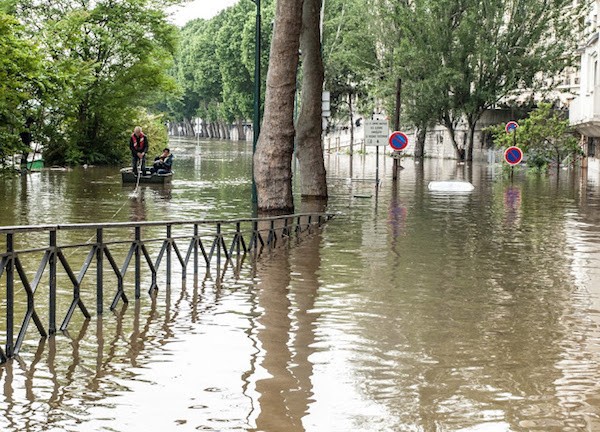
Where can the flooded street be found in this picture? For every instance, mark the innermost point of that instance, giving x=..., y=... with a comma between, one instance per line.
x=409, y=311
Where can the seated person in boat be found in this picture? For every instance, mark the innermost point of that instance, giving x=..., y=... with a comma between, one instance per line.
x=163, y=163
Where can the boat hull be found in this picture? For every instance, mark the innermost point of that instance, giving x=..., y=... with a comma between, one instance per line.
x=127, y=176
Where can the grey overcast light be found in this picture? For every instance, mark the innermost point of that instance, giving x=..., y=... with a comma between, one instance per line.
x=206, y=9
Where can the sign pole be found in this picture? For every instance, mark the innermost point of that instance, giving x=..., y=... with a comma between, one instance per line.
x=396, y=161
x=377, y=168
x=376, y=134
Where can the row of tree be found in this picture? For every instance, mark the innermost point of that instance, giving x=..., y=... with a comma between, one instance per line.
x=80, y=74
x=457, y=59
x=454, y=59
x=84, y=72
x=215, y=69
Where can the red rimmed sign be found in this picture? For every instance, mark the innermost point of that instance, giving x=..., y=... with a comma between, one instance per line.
x=398, y=141
x=513, y=155
x=511, y=126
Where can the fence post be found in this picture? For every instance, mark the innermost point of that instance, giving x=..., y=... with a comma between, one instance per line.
x=169, y=246
x=218, y=240
x=52, y=283
x=138, y=238
x=99, y=271
x=195, y=251
x=10, y=293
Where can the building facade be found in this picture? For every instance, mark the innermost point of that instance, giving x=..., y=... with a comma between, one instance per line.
x=584, y=110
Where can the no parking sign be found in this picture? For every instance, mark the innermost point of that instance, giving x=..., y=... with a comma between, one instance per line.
x=513, y=155
x=398, y=141
x=511, y=126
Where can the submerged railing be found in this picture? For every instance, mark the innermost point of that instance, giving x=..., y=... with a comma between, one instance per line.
x=248, y=236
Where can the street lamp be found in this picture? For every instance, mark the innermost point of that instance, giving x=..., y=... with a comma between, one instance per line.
x=256, y=120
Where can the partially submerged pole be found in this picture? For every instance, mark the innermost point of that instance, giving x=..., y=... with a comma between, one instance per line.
x=396, y=162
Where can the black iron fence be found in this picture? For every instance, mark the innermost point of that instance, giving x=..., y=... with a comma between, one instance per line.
x=209, y=245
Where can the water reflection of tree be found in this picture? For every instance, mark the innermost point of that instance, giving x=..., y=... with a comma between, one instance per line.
x=285, y=336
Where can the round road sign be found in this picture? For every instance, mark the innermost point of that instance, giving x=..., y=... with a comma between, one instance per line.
x=511, y=126
x=398, y=141
x=513, y=155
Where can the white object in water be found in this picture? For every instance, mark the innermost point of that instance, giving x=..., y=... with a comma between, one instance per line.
x=450, y=186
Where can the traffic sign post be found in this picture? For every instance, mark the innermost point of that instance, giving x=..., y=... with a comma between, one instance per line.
x=376, y=132
x=513, y=155
x=398, y=141
x=511, y=128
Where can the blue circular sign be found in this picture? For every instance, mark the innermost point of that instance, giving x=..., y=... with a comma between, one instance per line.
x=511, y=126
x=398, y=141
x=513, y=155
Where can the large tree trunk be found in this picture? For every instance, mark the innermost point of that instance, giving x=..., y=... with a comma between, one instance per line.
x=470, y=140
x=451, y=127
x=240, y=130
x=309, y=129
x=189, y=127
x=273, y=158
x=205, y=133
x=351, y=114
x=224, y=128
x=421, y=134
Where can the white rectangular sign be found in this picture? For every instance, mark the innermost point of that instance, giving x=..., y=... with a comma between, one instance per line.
x=376, y=133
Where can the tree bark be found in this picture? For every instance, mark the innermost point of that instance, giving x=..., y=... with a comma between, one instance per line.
x=351, y=114
x=309, y=129
x=273, y=157
x=450, y=126
x=240, y=130
x=421, y=134
x=470, y=140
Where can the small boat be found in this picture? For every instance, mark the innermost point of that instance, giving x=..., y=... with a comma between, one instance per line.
x=128, y=176
x=450, y=186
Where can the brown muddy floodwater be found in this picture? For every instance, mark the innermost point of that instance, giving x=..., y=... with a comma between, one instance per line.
x=409, y=311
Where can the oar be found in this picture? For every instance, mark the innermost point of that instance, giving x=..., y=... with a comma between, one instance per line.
x=137, y=184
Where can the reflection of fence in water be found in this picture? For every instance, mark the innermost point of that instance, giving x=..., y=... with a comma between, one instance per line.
x=207, y=246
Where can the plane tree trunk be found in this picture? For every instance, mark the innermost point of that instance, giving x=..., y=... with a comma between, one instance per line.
x=274, y=149
x=309, y=128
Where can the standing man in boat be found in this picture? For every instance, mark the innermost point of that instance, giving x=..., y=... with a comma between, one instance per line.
x=138, y=144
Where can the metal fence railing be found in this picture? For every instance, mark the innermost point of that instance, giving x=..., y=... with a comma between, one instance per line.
x=208, y=245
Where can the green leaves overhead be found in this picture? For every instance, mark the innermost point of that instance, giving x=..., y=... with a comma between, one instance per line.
x=20, y=76
x=104, y=62
x=474, y=53
x=350, y=45
x=215, y=65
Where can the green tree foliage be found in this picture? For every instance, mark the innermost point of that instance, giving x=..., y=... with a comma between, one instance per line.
x=237, y=81
x=467, y=56
x=545, y=137
x=197, y=71
x=215, y=65
x=109, y=59
x=350, y=56
x=20, y=76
